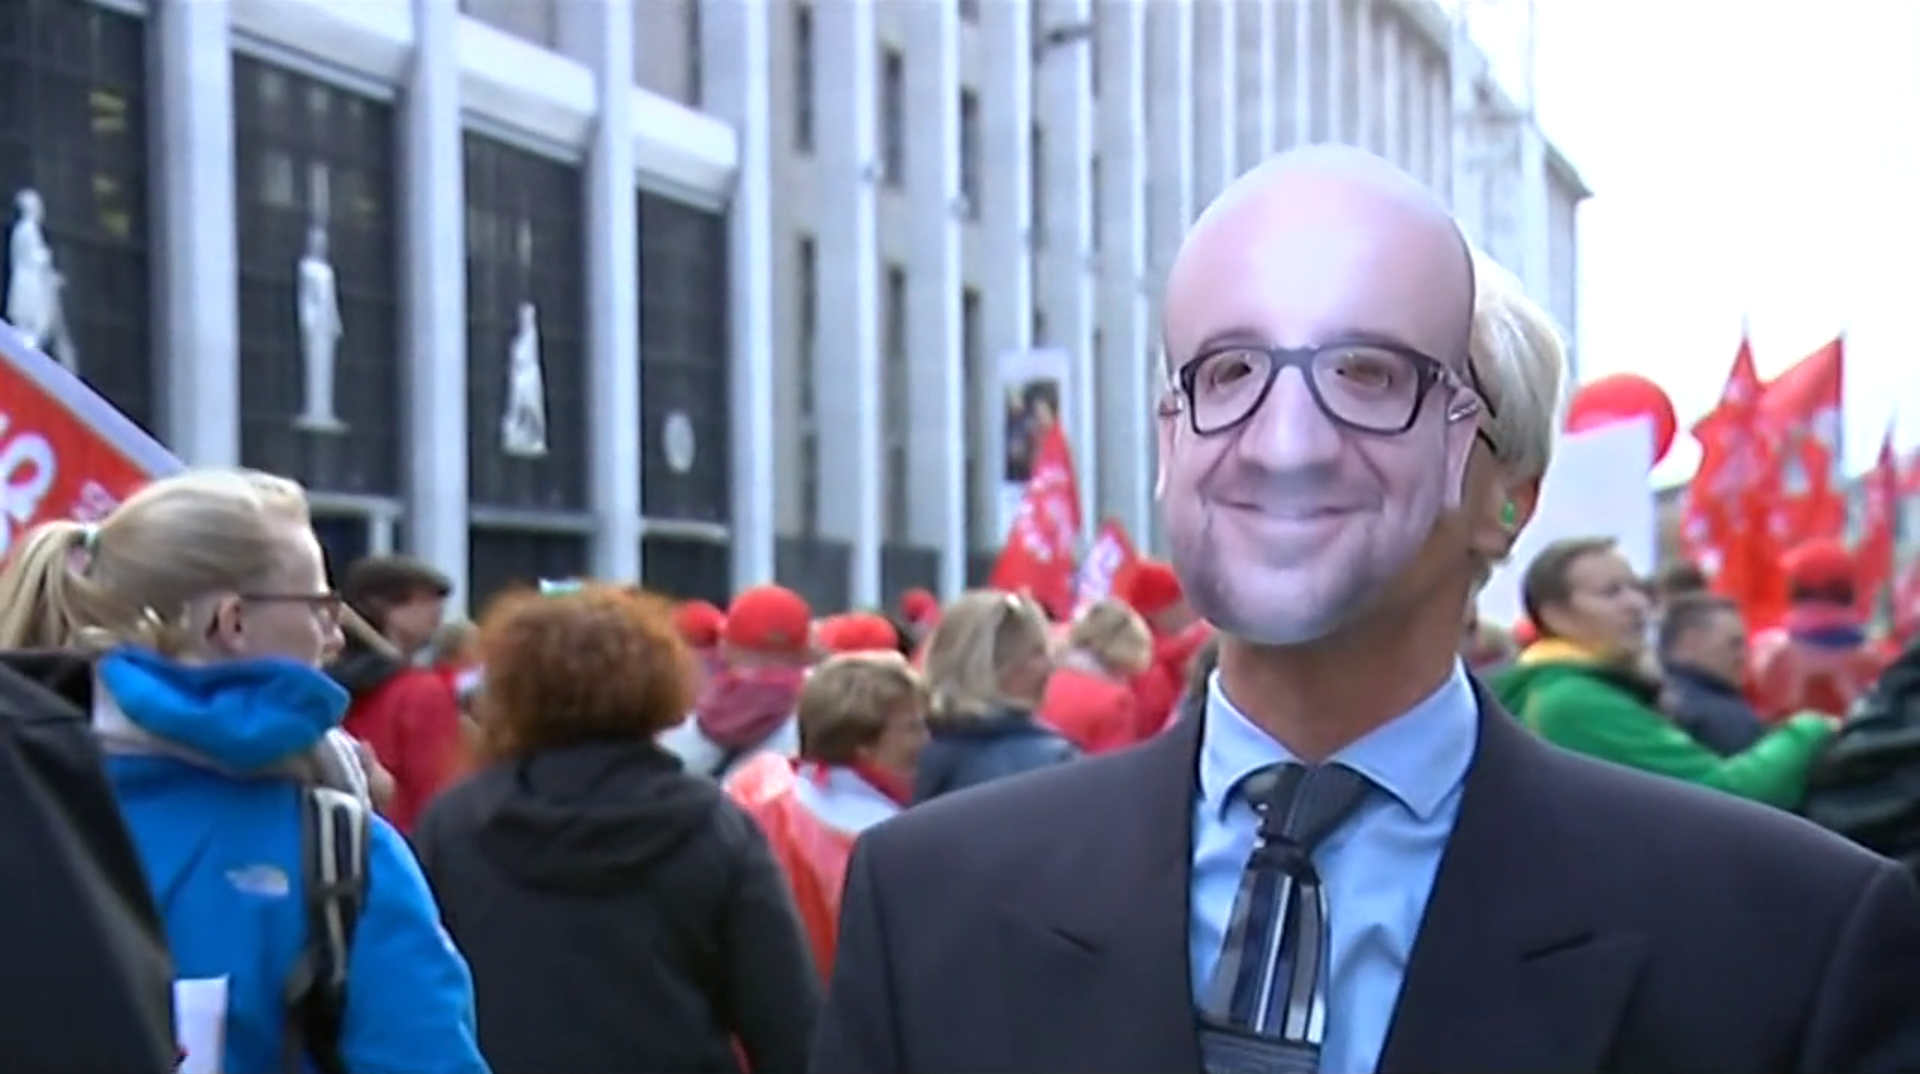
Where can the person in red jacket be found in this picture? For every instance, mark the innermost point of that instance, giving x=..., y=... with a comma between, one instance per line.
x=1089, y=697
x=405, y=713
x=1154, y=592
x=1818, y=660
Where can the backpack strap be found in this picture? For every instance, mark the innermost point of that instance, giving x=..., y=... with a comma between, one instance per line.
x=334, y=832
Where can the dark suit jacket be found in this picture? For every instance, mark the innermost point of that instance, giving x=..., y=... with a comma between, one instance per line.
x=1585, y=918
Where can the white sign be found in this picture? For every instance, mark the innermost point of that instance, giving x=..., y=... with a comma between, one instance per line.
x=1597, y=486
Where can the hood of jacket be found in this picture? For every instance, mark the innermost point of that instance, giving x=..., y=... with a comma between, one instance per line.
x=1515, y=686
x=244, y=716
x=741, y=707
x=363, y=670
x=592, y=818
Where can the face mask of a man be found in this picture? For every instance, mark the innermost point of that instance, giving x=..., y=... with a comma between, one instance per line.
x=1320, y=414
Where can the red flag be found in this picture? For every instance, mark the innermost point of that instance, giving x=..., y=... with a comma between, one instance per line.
x=1803, y=406
x=64, y=451
x=1729, y=525
x=1108, y=560
x=1873, y=559
x=1039, y=554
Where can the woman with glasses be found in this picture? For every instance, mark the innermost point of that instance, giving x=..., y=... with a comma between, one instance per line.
x=987, y=668
x=193, y=622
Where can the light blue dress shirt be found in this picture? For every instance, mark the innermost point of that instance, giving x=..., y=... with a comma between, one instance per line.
x=1378, y=866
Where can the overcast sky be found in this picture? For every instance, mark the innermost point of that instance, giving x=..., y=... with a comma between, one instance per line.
x=1757, y=160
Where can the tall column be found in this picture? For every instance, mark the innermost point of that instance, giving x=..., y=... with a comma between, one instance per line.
x=1215, y=98
x=1304, y=64
x=1366, y=77
x=847, y=165
x=1467, y=194
x=434, y=256
x=1268, y=25
x=1437, y=93
x=734, y=84
x=938, y=511
x=1169, y=55
x=1123, y=389
x=1066, y=269
x=197, y=285
x=1006, y=214
x=1335, y=45
x=1170, y=207
x=1393, y=92
x=601, y=36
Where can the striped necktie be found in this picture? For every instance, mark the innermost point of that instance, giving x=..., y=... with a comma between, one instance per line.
x=1264, y=1011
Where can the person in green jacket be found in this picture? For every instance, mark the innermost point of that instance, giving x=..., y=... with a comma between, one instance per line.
x=1590, y=683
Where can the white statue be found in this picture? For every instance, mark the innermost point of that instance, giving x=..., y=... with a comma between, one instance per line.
x=523, y=428
x=318, y=299
x=34, y=283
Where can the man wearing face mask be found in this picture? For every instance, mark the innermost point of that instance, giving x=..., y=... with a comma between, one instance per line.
x=1261, y=887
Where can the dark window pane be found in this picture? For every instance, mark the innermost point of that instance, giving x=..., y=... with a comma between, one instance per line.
x=73, y=137
x=343, y=539
x=503, y=559
x=526, y=330
x=320, y=357
x=686, y=425
x=817, y=568
x=687, y=568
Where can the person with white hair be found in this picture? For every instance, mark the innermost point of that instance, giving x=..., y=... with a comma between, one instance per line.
x=1352, y=859
x=194, y=620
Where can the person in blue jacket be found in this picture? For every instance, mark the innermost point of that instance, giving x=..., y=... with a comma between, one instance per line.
x=201, y=612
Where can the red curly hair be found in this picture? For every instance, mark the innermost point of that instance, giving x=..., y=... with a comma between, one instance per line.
x=601, y=662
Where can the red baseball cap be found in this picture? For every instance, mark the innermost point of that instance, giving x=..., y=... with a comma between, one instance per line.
x=769, y=619
x=699, y=622
x=858, y=632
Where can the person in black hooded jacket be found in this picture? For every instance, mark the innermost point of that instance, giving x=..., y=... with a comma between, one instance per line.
x=92, y=983
x=621, y=916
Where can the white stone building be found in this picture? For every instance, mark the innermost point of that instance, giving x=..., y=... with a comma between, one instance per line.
x=772, y=248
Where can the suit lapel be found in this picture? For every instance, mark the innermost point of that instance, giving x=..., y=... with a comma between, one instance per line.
x=1100, y=954
x=1511, y=971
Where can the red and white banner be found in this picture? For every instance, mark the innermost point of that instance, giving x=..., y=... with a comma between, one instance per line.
x=65, y=452
x=1108, y=560
x=1038, y=557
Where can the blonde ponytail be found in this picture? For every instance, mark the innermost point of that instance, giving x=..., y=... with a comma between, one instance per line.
x=36, y=591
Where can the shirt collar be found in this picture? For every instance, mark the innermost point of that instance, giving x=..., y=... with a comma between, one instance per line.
x=1418, y=757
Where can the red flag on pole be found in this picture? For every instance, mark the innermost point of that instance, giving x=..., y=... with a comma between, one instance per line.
x=64, y=451
x=1038, y=557
x=1873, y=559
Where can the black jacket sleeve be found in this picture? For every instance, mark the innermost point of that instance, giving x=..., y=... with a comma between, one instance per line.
x=858, y=1030
x=1866, y=1015
x=772, y=986
x=93, y=987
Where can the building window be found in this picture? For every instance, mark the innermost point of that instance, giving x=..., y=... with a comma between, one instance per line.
x=893, y=117
x=897, y=403
x=319, y=320
x=1037, y=185
x=969, y=10
x=686, y=362
x=1039, y=327
x=809, y=302
x=73, y=151
x=501, y=559
x=803, y=78
x=696, y=72
x=1093, y=203
x=1093, y=49
x=970, y=153
x=973, y=383
x=526, y=330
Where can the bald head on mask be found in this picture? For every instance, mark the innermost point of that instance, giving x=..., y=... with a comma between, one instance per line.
x=1320, y=410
